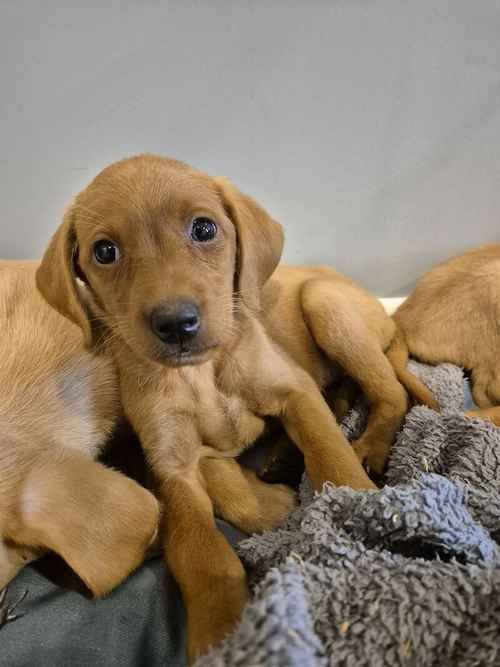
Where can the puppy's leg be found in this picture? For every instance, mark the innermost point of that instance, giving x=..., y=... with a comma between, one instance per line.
x=486, y=384
x=241, y=498
x=490, y=414
x=310, y=423
x=341, y=330
x=98, y=520
x=209, y=573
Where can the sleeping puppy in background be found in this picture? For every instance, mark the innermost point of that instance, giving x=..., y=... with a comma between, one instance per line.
x=453, y=315
x=58, y=404
x=177, y=272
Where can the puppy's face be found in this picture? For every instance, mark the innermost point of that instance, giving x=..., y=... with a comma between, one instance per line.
x=154, y=253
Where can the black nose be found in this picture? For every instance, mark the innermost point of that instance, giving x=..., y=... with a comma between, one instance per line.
x=176, y=325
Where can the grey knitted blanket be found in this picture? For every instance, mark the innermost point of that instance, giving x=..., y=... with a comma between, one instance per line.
x=408, y=575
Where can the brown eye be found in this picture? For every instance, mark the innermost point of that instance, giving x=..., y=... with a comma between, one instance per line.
x=203, y=230
x=106, y=252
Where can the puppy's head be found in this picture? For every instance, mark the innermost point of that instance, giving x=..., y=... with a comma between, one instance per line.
x=160, y=256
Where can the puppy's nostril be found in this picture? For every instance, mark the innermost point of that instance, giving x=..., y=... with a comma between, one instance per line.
x=190, y=324
x=176, y=325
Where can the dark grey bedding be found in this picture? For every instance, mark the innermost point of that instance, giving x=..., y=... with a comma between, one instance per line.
x=139, y=624
x=407, y=576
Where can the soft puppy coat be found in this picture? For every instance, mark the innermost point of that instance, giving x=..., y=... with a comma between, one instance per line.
x=58, y=404
x=176, y=273
x=453, y=315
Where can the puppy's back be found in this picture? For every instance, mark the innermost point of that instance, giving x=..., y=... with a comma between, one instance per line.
x=453, y=314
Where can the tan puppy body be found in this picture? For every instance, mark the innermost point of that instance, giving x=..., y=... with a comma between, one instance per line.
x=454, y=315
x=78, y=390
x=219, y=407
x=58, y=404
x=284, y=298
x=175, y=270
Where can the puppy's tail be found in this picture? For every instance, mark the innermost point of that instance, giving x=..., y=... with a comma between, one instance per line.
x=398, y=355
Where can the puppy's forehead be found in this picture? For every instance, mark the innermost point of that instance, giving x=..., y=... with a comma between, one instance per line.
x=147, y=191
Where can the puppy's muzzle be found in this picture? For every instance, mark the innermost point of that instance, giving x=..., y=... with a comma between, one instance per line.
x=176, y=324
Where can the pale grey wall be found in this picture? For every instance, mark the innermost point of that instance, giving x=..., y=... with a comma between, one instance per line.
x=370, y=128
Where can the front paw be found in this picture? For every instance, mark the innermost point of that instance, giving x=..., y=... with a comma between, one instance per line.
x=280, y=503
x=372, y=457
x=270, y=506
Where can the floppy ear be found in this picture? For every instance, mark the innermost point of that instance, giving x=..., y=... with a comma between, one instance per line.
x=56, y=279
x=260, y=242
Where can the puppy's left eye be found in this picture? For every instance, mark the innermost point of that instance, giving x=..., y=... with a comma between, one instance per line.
x=203, y=230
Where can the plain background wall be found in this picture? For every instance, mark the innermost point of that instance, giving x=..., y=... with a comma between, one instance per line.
x=371, y=129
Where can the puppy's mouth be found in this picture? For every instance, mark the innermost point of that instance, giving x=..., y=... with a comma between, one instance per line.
x=184, y=355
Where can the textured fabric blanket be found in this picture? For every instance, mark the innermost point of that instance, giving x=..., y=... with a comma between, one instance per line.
x=408, y=575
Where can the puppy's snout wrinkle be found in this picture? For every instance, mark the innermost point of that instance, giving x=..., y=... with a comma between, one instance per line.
x=176, y=324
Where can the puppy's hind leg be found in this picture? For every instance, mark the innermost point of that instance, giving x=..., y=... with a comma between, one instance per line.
x=486, y=384
x=490, y=414
x=353, y=333
x=244, y=500
x=486, y=393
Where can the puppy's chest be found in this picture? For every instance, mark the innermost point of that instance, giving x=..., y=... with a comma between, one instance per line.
x=225, y=422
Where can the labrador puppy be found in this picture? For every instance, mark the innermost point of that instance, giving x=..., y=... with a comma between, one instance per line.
x=453, y=315
x=58, y=404
x=177, y=272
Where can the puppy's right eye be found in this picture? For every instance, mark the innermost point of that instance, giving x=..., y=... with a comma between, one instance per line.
x=203, y=230
x=106, y=252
